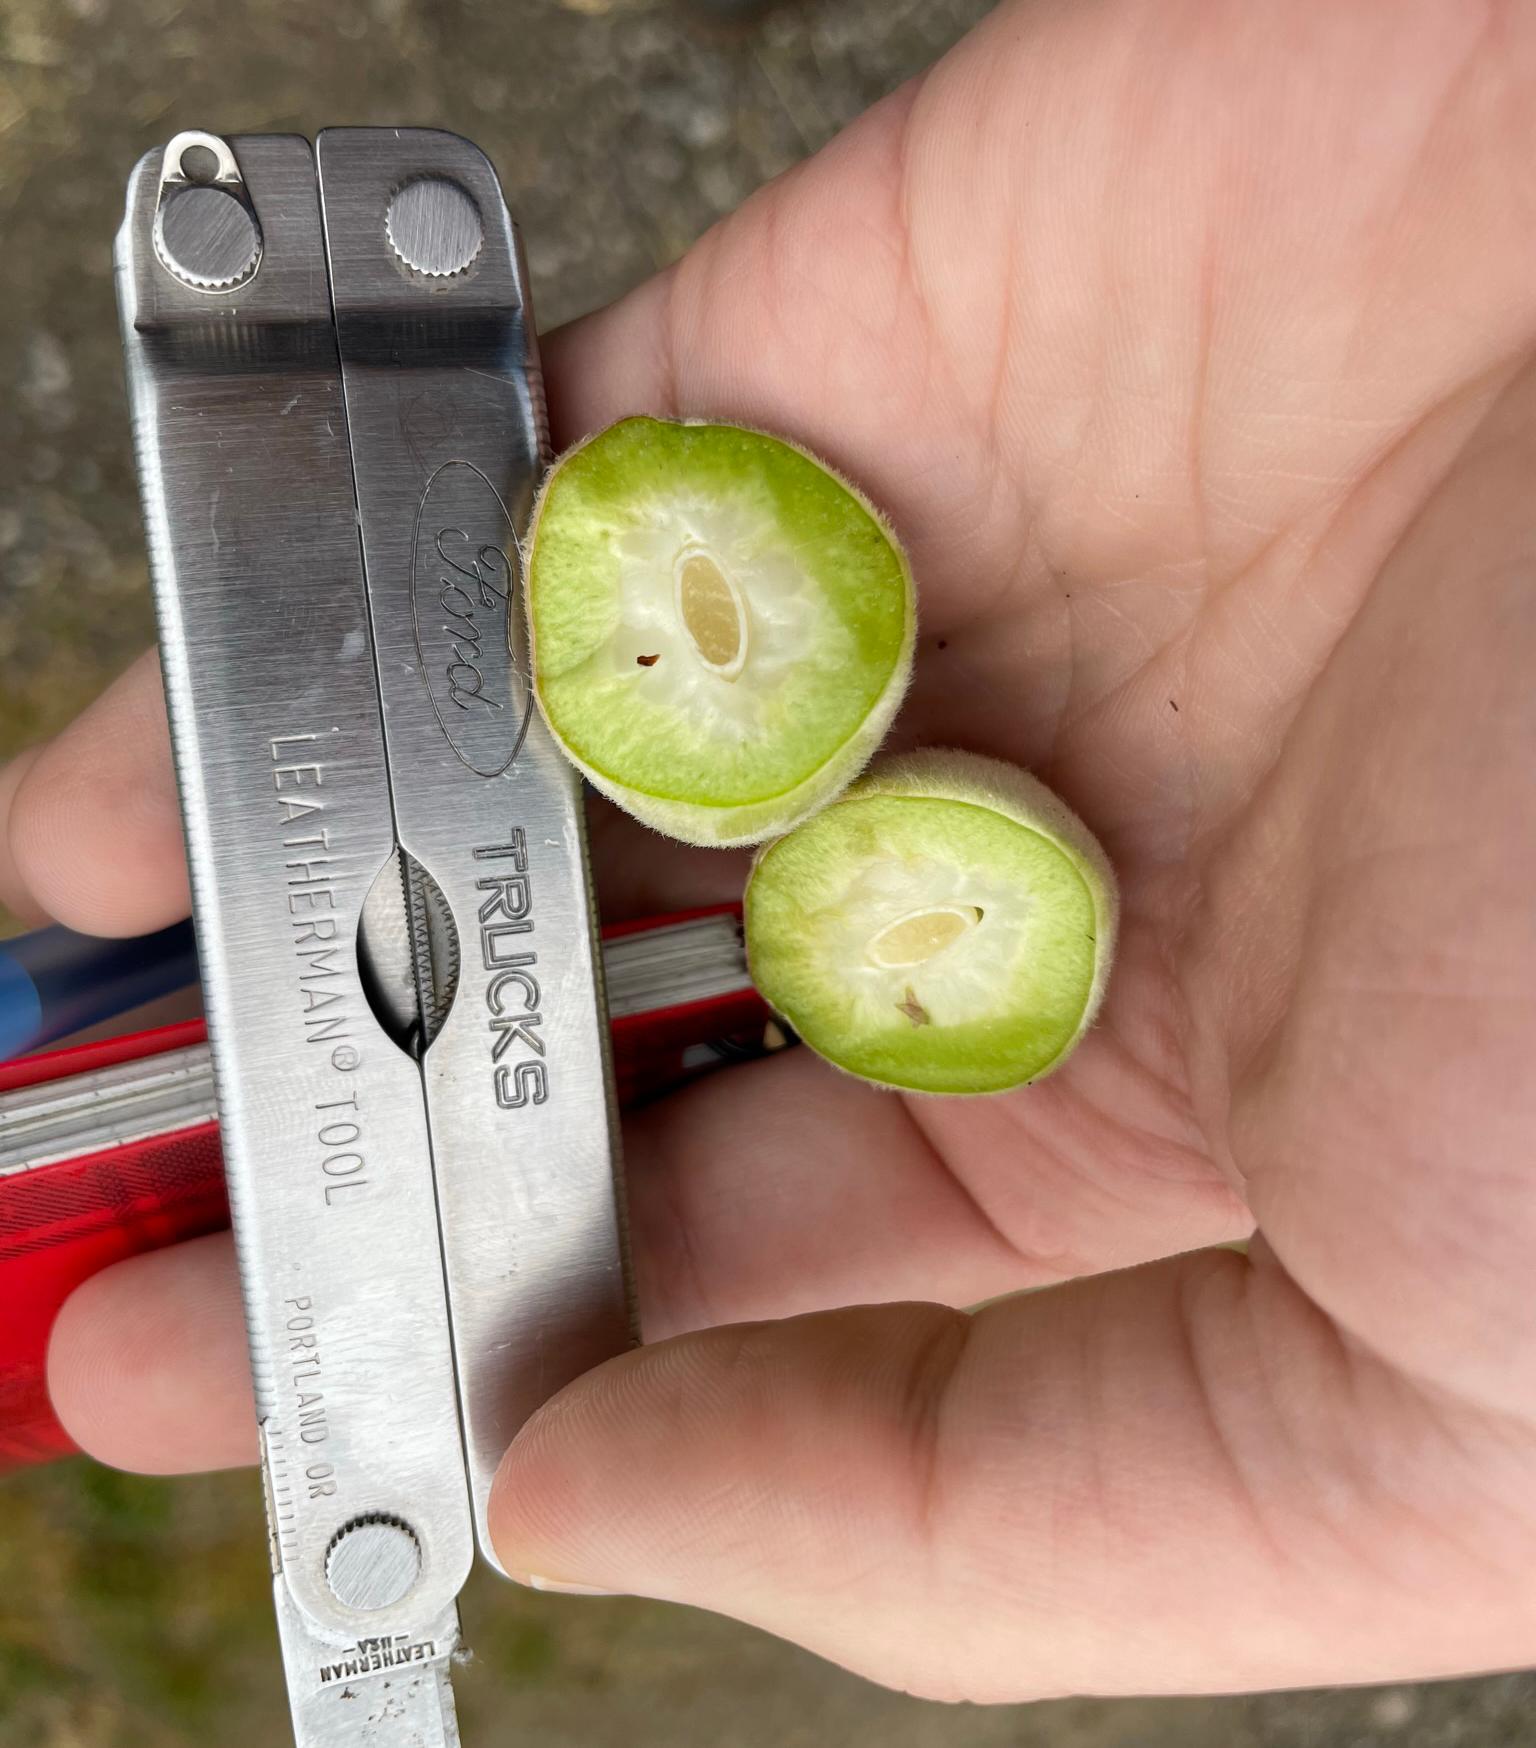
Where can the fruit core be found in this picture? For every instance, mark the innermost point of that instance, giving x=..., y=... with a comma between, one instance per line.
x=713, y=613
x=915, y=938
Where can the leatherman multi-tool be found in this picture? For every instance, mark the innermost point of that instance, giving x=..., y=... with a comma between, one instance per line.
x=340, y=429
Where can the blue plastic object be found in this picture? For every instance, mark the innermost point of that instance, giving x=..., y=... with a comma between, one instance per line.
x=54, y=982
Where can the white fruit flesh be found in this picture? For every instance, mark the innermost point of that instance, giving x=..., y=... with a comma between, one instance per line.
x=707, y=600
x=929, y=922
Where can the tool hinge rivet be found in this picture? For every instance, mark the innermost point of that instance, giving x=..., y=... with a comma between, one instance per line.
x=372, y=1562
x=434, y=227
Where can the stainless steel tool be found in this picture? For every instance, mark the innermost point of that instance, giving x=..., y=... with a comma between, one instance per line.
x=339, y=423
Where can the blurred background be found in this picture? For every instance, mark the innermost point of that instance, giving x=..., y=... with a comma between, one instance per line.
x=136, y=1613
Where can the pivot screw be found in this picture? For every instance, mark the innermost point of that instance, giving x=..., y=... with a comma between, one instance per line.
x=372, y=1563
x=207, y=237
x=434, y=227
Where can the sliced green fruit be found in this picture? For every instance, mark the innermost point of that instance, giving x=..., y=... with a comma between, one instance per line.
x=945, y=927
x=722, y=629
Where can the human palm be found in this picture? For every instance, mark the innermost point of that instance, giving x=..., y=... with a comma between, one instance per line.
x=1188, y=345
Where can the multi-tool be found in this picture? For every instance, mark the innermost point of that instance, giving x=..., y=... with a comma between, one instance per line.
x=340, y=429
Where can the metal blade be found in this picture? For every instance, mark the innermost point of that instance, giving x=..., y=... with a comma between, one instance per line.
x=408, y=950
x=387, y=960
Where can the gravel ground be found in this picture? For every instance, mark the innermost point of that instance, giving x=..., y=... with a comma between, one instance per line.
x=134, y=1613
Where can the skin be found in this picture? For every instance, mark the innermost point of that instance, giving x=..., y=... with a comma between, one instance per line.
x=1189, y=344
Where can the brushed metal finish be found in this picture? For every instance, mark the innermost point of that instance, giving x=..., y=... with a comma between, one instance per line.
x=205, y=230
x=434, y=226
x=386, y=1691
x=206, y=237
x=373, y=1563
x=250, y=510
x=428, y=1248
x=444, y=407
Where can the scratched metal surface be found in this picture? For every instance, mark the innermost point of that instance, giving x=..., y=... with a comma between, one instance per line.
x=645, y=123
x=250, y=513
x=446, y=414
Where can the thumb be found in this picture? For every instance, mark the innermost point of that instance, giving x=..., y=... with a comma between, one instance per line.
x=772, y=1471
x=1169, y=1479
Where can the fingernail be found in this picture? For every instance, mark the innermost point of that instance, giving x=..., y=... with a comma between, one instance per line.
x=563, y=1586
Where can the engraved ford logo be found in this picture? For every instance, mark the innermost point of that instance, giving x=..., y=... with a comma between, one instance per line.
x=464, y=608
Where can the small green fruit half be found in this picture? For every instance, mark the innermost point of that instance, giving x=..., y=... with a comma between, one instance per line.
x=722, y=629
x=945, y=927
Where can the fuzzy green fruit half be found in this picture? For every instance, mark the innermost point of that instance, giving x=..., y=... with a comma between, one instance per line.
x=722, y=629
x=946, y=926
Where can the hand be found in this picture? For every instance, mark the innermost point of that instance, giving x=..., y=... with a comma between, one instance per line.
x=1189, y=343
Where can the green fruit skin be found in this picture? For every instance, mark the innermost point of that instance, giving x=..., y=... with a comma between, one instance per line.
x=971, y=779
x=734, y=825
